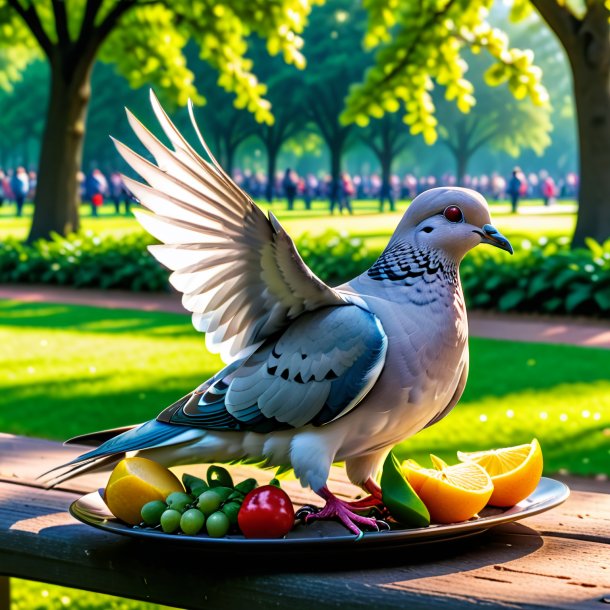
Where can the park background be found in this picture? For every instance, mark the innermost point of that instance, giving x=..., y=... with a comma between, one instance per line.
x=67, y=369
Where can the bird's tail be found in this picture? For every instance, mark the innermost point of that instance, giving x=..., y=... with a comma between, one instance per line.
x=116, y=443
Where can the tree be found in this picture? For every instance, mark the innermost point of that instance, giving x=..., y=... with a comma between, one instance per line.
x=420, y=44
x=21, y=124
x=337, y=61
x=226, y=127
x=387, y=137
x=144, y=39
x=497, y=120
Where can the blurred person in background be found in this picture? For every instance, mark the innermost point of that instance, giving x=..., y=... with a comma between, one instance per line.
x=348, y=191
x=20, y=186
x=310, y=190
x=513, y=189
x=97, y=188
x=290, y=182
x=2, y=194
x=119, y=193
x=548, y=190
x=33, y=178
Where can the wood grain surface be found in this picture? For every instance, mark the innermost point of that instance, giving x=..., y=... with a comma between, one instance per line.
x=559, y=559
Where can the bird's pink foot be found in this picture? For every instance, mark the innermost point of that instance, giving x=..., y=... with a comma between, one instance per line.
x=342, y=511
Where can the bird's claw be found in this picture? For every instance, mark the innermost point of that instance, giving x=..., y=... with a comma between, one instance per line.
x=340, y=511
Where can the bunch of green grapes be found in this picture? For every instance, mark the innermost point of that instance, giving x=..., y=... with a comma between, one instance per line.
x=210, y=506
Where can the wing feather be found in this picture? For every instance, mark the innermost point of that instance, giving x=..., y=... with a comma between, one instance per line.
x=240, y=273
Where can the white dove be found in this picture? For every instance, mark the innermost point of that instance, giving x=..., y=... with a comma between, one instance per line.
x=315, y=374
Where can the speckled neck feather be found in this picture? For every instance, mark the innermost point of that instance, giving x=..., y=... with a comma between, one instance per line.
x=407, y=264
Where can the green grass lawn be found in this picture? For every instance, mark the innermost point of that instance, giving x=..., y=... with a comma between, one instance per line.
x=65, y=370
x=375, y=228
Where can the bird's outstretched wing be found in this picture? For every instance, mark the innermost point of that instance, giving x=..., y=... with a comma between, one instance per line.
x=239, y=271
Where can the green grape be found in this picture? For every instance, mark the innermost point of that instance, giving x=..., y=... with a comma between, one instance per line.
x=192, y=521
x=170, y=521
x=151, y=512
x=230, y=509
x=218, y=525
x=209, y=502
x=179, y=501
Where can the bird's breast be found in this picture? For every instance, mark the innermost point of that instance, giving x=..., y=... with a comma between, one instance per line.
x=427, y=352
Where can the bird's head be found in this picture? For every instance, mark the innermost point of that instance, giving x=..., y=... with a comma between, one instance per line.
x=451, y=220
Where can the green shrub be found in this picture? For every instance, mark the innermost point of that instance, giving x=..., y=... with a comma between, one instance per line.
x=546, y=277
x=84, y=260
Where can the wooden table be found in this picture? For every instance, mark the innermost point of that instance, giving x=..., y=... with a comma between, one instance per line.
x=559, y=559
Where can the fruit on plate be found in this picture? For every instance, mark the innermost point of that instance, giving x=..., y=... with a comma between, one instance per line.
x=134, y=482
x=266, y=512
x=399, y=497
x=450, y=493
x=514, y=471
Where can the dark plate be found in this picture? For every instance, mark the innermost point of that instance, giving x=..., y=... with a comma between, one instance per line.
x=91, y=510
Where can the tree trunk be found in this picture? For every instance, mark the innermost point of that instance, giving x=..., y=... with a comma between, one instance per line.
x=461, y=165
x=591, y=67
x=57, y=194
x=229, y=158
x=385, y=161
x=271, y=169
x=336, y=157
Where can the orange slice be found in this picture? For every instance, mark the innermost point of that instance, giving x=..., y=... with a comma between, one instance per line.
x=134, y=482
x=450, y=493
x=515, y=471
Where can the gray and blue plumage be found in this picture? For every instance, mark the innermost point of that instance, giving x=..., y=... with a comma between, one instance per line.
x=314, y=374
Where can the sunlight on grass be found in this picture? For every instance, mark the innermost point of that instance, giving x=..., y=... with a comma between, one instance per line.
x=28, y=595
x=66, y=370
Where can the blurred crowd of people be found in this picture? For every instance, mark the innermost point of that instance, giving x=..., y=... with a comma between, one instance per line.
x=19, y=185
x=340, y=193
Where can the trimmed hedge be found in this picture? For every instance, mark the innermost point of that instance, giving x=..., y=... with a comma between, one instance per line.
x=546, y=277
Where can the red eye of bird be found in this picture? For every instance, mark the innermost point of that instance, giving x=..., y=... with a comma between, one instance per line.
x=453, y=214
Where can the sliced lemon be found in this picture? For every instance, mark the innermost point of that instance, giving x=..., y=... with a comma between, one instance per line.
x=515, y=471
x=450, y=493
x=134, y=482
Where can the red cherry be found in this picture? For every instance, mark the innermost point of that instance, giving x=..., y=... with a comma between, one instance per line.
x=453, y=214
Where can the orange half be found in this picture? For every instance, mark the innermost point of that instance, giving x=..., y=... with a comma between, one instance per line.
x=450, y=493
x=515, y=471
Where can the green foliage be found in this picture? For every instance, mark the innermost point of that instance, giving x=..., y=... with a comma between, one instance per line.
x=420, y=44
x=83, y=261
x=497, y=120
x=146, y=40
x=546, y=277
x=335, y=257
x=88, y=260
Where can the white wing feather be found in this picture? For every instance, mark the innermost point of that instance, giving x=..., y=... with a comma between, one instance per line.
x=240, y=273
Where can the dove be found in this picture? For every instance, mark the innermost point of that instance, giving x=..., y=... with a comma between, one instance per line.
x=314, y=374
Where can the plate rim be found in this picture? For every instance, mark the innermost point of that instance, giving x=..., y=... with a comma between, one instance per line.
x=442, y=532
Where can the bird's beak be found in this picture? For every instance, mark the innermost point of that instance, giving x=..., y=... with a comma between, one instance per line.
x=492, y=236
